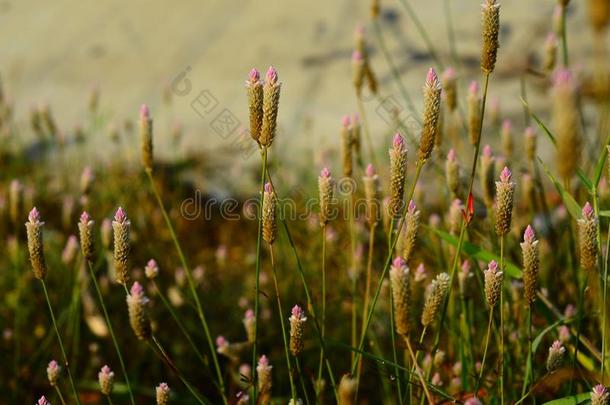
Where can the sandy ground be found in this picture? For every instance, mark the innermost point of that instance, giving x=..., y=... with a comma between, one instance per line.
x=54, y=52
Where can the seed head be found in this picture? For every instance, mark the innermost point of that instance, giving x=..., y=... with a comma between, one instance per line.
x=346, y=146
x=550, y=52
x=432, y=108
x=264, y=378
x=435, y=295
x=254, y=88
x=358, y=66
x=162, y=393
x=85, y=230
x=555, y=358
x=271, y=105
x=398, y=169
x=450, y=88
x=530, y=143
x=487, y=174
x=151, y=269
x=401, y=292
x=587, y=237
x=86, y=180
x=566, y=122
x=121, y=226
x=355, y=136
x=269, y=214
x=53, y=370
x=474, y=112
x=410, y=231
x=491, y=29
x=452, y=172
x=371, y=187
x=35, y=247
x=297, y=319
x=137, y=305
x=146, y=130
x=455, y=216
x=493, y=284
x=325, y=189
x=505, y=190
x=600, y=395
x=106, y=379
x=249, y=322
x=347, y=390
x=599, y=15
x=531, y=264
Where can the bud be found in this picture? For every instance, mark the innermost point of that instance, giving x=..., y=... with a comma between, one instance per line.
x=493, y=284
x=491, y=29
x=269, y=212
x=432, y=106
x=85, y=229
x=555, y=358
x=35, y=247
x=137, y=305
x=455, y=216
x=106, y=380
x=450, y=88
x=151, y=269
x=531, y=264
x=264, y=378
x=162, y=393
x=435, y=295
x=86, y=180
x=121, y=226
x=371, y=185
x=398, y=169
x=600, y=395
x=399, y=280
x=53, y=370
x=254, y=88
x=271, y=105
x=474, y=112
x=297, y=319
x=410, y=231
x=587, y=237
x=325, y=189
x=505, y=190
x=146, y=138
x=487, y=174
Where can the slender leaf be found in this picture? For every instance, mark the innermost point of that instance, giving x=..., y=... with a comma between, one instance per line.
x=569, y=201
x=571, y=400
x=479, y=253
x=538, y=339
x=600, y=163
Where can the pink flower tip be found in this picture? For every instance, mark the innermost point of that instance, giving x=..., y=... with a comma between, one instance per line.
x=263, y=361
x=599, y=390
x=493, y=265
x=53, y=365
x=136, y=289
x=551, y=38
x=530, y=132
x=370, y=170
x=272, y=75
x=85, y=218
x=397, y=142
x=449, y=73
x=268, y=188
x=221, y=341
x=325, y=173
x=357, y=56
x=249, y=314
x=529, y=236
x=399, y=262
x=412, y=207
x=451, y=155
x=587, y=211
x=421, y=269
x=345, y=121
x=120, y=216
x=456, y=203
x=431, y=77
x=34, y=215
x=254, y=75
x=105, y=370
x=298, y=312
x=43, y=401
x=466, y=266
x=355, y=118
x=507, y=125
x=144, y=112
x=562, y=77
x=487, y=151
x=151, y=263
x=360, y=30
x=473, y=88
x=505, y=175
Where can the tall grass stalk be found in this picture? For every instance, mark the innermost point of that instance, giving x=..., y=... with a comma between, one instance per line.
x=487, y=335
x=111, y=330
x=323, y=329
x=191, y=282
x=418, y=371
x=259, y=238
x=605, y=306
x=282, y=325
x=564, y=36
x=502, y=322
x=354, y=271
x=60, y=395
x=392, y=328
x=61, y=344
x=385, y=269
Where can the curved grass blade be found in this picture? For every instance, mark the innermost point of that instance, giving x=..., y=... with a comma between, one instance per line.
x=569, y=201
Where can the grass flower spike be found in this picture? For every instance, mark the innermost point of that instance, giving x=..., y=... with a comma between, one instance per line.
x=137, y=306
x=491, y=30
x=371, y=185
x=474, y=112
x=264, y=378
x=452, y=173
x=566, y=123
x=106, y=380
x=550, y=52
x=35, y=247
x=410, y=231
x=358, y=71
x=398, y=169
x=250, y=325
x=43, y=401
x=531, y=264
x=297, y=320
x=347, y=390
x=505, y=190
x=162, y=394
x=435, y=295
x=587, y=234
x=325, y=189
x=432, y=108
x=450, y=88
x=151, y=269
x=555, y=357
x=600, y=395
x=488, y=171
x=271, y=105
x=122, y=247
x=85, y=229
x=146, y=138
x=269, y=213
x=493, y=284
x=254, y=87
x=53, y=370
x=346, y=146
x=401, y=292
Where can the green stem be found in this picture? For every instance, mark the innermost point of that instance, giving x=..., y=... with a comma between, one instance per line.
x=59, y=394
x=293, y=390
x=502, y=322
x=181, y=326
x=392, y=328
x=191, y=282
x=323, y=330
x=605, y=306
x=61, y=345
x=354, y=273
x=529, y=364
x=303, y=387
x=109, y=400
x=111, y=330
x=487, y=334
x=259, y=237
x=580, y=309
x=422, y=31
x=564, y=36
